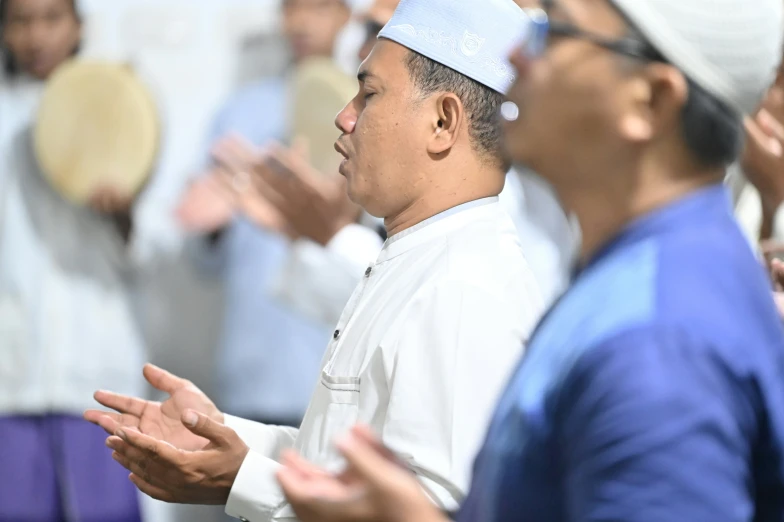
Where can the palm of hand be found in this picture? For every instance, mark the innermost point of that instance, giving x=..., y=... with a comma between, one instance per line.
x=163, y=420
x=207, y=206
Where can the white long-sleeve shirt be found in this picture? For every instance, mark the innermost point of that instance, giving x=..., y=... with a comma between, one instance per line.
x=420, y=354
x=67, y=326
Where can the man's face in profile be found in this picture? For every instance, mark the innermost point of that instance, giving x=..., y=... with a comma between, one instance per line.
x=385, y=133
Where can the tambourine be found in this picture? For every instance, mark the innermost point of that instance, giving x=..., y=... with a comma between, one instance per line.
x=321, y=90
x=97, y=126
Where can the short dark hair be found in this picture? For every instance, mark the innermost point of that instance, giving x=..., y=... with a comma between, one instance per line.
x=482, y=104
x=713, y=132
x=8, y=64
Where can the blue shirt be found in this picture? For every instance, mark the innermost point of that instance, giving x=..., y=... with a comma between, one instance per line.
x=269, y=356
x=652, y=391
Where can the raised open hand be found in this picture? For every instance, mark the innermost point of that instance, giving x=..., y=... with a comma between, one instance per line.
x=374, y=487
x=160, y=420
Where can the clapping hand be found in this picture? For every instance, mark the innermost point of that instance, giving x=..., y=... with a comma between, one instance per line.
x=315, y=204
x=161, y=420
x=375, y=487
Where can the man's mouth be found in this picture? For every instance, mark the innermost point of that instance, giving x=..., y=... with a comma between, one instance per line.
x=339, y=148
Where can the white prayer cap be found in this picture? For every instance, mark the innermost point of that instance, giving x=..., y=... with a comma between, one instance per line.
x=730, y=48
x=473, y=37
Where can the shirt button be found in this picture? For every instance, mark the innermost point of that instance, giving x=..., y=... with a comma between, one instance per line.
x=336, y=334
x=368, y=271
x=243, y=519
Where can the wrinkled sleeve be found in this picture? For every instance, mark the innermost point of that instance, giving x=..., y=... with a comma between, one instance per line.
x=455, y=351
x=256, y=495
x=318, y=281
x=653, y=427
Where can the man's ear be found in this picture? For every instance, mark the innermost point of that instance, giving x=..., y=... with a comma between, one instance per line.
x=655, y=100
x=450, y=114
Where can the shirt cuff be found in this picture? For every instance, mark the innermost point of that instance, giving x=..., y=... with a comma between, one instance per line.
x=267, y=441
x=256, y=495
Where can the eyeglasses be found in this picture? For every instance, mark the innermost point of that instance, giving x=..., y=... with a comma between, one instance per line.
x=541, y=28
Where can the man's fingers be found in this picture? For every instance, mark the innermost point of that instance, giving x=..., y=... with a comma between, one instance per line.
x=205, y=427
x=364, y=433
x=126, y=450
x=761, y=139
x=150, y=490
x=155, y=449
x=778, y=298
x=324, y=499
x=273, y=187
x=235, y=153
x=294, y=485
x=291, y=459
x=777, y=274
x=300, y=146
x=162, y=380
x=770, y=124
x=132, y=466
x=109, y=421
x=298, y=167
x=365, y=461
x=242, y=149
x=95, y=416
x=122, y=403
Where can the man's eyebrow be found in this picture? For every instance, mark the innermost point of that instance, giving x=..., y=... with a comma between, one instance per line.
x=364, y=74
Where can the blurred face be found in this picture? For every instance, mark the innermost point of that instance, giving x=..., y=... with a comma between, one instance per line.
x=372, y=28
x=40, y=34
x=376, y=18
x=384, y=132
x=311, y=26
x=578, y=97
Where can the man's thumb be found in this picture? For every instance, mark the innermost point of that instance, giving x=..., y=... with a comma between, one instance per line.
x=203, y=426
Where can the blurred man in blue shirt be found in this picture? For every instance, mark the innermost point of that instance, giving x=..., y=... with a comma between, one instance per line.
x=654, y=389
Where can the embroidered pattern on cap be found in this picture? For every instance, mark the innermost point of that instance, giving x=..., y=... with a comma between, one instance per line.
x=468, y=48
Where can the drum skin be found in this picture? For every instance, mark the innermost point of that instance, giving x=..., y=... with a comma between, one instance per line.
x=321, y=90
x=97, y=127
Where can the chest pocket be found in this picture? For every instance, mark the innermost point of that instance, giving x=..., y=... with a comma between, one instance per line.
x=333, y=411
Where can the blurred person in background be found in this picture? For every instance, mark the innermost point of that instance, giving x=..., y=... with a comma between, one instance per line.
x=757, y=180
x=330, y=247
x=66, y=322
x=757, y=183
x=269, y=355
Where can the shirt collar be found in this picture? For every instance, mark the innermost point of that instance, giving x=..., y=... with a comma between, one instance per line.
x=697, y=208
x=433, y=227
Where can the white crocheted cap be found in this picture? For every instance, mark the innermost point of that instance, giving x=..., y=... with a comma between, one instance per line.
x=730, y=48
x=473, y=37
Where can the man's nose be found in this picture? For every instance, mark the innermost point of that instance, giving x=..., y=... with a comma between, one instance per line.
x=346, y=119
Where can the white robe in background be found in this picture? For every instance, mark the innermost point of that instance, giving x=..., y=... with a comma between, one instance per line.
x=420, y=354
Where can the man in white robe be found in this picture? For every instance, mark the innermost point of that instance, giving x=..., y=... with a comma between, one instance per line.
x=436, y=324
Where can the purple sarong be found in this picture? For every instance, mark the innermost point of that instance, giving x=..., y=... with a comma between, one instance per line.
x=57, y=468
